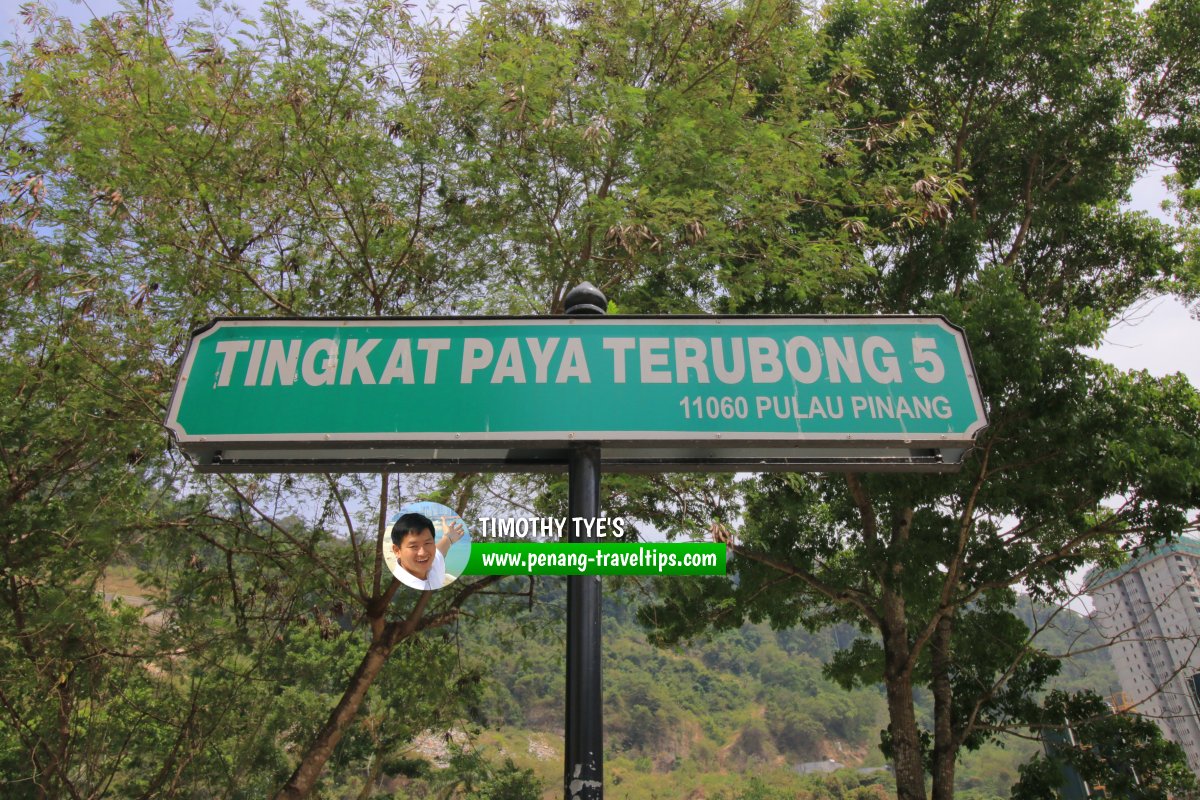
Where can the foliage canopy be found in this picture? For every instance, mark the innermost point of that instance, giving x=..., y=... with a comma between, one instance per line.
x=685, y=156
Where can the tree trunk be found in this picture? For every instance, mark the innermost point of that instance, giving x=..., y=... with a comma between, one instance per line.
x=944, y=749
x=304, y=778
x=372, y=775
x=906, y=737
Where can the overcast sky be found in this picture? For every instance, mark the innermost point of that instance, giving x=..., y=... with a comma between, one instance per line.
x=1158, y=335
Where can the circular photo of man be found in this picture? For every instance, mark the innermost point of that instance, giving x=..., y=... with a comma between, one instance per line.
x=427, y=545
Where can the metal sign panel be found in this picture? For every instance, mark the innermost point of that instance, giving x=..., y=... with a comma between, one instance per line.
x=658, y=393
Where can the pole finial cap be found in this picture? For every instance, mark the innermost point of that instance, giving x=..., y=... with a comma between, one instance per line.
x=585, y=299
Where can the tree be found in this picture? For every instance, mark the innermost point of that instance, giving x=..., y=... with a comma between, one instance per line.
x=1124, y=753
x=74, y=495
x=161, y=174
x=1048, y=112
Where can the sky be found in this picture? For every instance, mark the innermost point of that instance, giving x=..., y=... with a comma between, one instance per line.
x=1158, y=335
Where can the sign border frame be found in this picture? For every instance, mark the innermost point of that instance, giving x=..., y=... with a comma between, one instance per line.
x=772, y=445
x=557, y=438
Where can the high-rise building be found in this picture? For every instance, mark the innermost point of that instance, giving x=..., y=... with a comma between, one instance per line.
x=1149, y=608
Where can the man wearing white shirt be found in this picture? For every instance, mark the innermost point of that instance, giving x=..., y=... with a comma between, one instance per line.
x=422, y=562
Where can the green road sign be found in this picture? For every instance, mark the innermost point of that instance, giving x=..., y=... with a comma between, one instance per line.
x=659, y=393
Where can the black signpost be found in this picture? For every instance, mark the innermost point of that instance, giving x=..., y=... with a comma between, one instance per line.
x=583, y=762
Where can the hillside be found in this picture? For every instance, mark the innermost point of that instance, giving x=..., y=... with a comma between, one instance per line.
x=711, y=718
x=731, y=717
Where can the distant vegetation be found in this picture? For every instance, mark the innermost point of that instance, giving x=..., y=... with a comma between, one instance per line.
x=728, y=717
